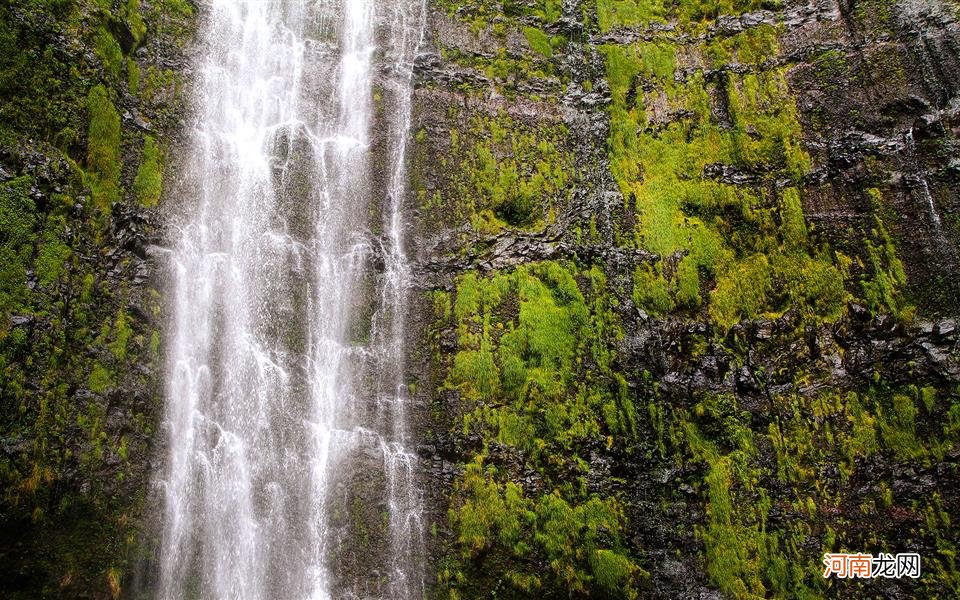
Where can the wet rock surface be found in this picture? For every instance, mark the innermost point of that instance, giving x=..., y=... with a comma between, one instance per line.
x=766, y=440
x=868, y=91
x=79, y=313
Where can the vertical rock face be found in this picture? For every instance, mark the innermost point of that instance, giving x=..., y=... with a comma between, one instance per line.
x=90, y=99
x=689, y=283
x=667, y=302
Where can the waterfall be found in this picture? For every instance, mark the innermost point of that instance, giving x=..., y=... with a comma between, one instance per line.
x=286, y=409
x=924, y=188
x=406, y=514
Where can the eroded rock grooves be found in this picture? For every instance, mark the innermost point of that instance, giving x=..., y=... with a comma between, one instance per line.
x=285, y=406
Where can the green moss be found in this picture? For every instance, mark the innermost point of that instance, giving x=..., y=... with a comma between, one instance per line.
x=148, y=185
x=53, y=252
x=135, y=22
x=615, y=13
x=52, y=55
x=753, y=46
x=100, y=379
x=742, y=291
x=511, y=73
x=533, y=371
x=793, y=225
x=157, y=83
x=121, y=336
x=155, y=343
x=17, y=236
x=498, y=518
x=538, y=40
x=743, y=558
x=531, y=363
x=689, y=13
x=750, y=247
x=103, y=148
x=651, y=291
x=507, y=174
x=548, y=10
x=898, y=427
x=133, y=77
x=764, y=532
x=488, y=13
x=882, y=288
x=40, y=89
x=108, y=51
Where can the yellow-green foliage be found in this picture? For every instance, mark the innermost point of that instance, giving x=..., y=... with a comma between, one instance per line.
x=898, y=427
x=56, y=120
x=17, y=236
x=509, y=70
x=171, y=19
x=548, y=10
x=749, y=247
x=148, y=185
x=103, y=147
x=100, y=379
x=40, y=87
x=615, y=13
x=744, y=559
x=523, y=374
x=509, y=175
x=812, y=285
x=53, y=252
x=137, y=27
x=628, y=13
x=534, y=371
x=482, y=13
x=943, y=567
x=133, y=76
x=651, y=291
x=538, y=40
x=156, y=82
x=580, y=543
x=751, y=47
x=121, y=336
x=792, y=223
x=882, y=289
x=108, y=51
x=750, y=555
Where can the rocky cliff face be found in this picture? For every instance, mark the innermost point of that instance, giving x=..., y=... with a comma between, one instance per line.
x=688, y=293
x=89, y=100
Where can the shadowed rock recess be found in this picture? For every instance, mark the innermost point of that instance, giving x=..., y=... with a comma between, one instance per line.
x=685, y=288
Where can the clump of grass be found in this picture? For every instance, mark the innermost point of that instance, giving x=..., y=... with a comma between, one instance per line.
x=107, y=49
x=17, y=237
x=148, y=184
x=103, y=147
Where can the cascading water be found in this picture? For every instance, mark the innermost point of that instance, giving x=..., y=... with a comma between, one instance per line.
x=405, y=503
x=286, y=398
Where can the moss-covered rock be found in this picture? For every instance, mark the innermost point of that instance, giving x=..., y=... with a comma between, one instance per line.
x=748, y=370
x=78, y=367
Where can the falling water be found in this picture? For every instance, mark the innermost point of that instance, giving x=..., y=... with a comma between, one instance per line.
x=286, y=398
x=405, y=503
x=924, y=190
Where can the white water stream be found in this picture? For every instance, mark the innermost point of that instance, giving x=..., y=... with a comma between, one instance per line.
x=281, y=385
